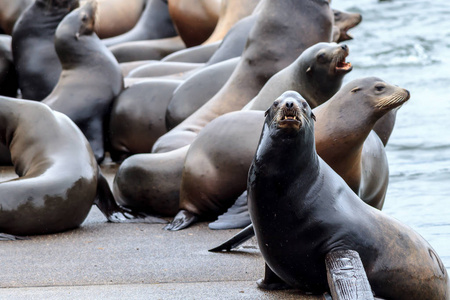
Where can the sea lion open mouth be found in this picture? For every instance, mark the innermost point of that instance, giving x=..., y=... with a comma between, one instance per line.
x=340, y=65
x=289, y=118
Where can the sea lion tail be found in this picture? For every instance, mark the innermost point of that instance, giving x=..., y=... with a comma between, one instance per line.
x=241, y=237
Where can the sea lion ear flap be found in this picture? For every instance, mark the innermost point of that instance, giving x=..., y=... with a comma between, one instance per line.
x=313, y=116
x=309, y=70
x=267, y=112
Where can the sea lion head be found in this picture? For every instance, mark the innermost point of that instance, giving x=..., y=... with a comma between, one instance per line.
x=377, y=93
x=290, y=113
x=345, y=21
x=79, y=22
x=322, y=69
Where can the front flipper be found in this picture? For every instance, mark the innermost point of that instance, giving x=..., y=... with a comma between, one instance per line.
x=236, y=216
x=115, y=213
x=271, y=281
x=10, y=237
x=346, y=276
x=182, y=220
x=241, y=237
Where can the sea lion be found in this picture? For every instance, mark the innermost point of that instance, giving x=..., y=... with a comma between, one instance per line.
x=59, y=179
x=266, y=53
x=137, y=117
x=116, y=17
x=35, y=58
x=90, y=79
x=344, y=21
x=231, y=11
x=316, y=215
x=194, y=20
x=348, y=144
x=154, y=23
x=208, y=190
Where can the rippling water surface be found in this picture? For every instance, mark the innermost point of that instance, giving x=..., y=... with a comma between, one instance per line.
x=407, y=43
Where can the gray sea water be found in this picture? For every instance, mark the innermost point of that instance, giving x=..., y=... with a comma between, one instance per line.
x=407, y=43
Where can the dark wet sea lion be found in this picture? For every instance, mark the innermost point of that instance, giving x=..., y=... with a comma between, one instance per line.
x=147, y=49
x=90, y=79
x=344, y=21
x=137, y=117
x=153, y=190
x=59, y=179
x=197, y=90
x=316, y=215
x=116, y=17
x=194, y=20
x=35, y=58
x=154, y=23
x=348, y=144
x=266, y=53
x=206, y=191
x=8, y=75
x=231, y=11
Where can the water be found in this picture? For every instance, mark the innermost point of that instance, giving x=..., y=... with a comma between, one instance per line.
x=407, y=43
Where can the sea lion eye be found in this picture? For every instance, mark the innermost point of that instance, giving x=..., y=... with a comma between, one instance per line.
x=275, y=104
x=354, y=90
x=379, y=87
x=321, y=57
x=84, y=18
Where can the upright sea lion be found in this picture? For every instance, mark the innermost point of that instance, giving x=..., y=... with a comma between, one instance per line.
x=345, y=140
x=59, y=179
x=231, y=11
x=194, y=20
x=303, y=212
x=90, y=79
x=154, y=23
x=35, y=58
x=205, y=191
x=138, y=117
x=267, y=51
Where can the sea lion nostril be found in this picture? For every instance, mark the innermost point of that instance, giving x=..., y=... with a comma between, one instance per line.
x=289, y=104
x=344, y=47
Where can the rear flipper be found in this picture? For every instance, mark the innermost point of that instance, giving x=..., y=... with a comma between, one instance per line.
x=10, y=237
x=241, y=237
x=346, y=276
x=237, y=216
x=271, y=281
x=182, y=220
x=115, y=213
